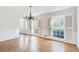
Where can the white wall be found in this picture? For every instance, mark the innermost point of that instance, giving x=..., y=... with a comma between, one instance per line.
x=44, y=19
x=8, y=25
x=78, y=27
x=9, y=17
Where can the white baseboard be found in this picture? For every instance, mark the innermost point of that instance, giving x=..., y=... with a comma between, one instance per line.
x=7, y=35
x=53, y=38
x=77, y=45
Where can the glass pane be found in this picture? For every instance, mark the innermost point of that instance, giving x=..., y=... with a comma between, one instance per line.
x=34, y=26
x=23, y=26
x=58, y=26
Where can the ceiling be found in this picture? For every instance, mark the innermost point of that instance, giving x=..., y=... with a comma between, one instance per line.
x=45, y=9
x=36, y=10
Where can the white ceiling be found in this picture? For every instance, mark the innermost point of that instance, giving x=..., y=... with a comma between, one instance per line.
x=36, y=10
x=45, y=9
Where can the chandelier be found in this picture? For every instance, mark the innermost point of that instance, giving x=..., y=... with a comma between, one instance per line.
x=30, y=17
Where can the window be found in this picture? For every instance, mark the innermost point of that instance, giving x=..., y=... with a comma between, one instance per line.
x=58, y=26
x=35, y=26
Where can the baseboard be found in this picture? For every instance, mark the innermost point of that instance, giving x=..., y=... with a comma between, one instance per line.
x=56, y=40
x=48, y=38
x=78, y=46
x=8, y=35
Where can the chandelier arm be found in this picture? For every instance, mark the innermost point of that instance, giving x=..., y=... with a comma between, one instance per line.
x=30, y=14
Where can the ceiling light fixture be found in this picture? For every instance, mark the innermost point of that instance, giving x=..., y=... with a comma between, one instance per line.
x=30, y=17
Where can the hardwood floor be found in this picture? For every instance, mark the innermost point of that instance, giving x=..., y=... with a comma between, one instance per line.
x=35, y=44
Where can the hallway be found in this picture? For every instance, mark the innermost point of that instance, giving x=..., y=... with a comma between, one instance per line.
x=35, y=44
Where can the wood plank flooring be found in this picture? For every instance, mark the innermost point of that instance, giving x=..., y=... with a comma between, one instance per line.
x=35, y=44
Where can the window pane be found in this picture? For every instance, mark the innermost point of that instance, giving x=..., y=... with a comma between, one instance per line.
x=58, y=26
